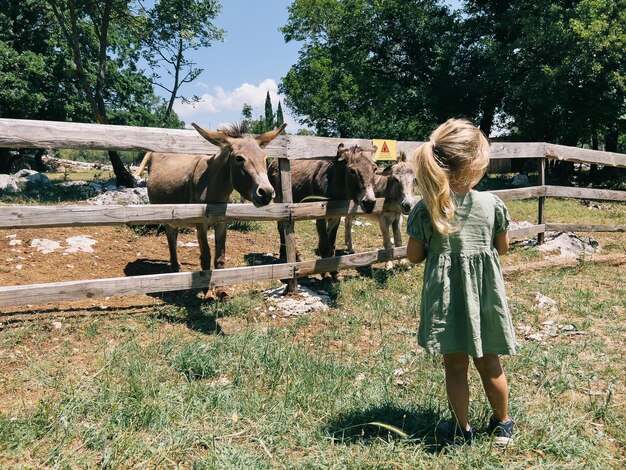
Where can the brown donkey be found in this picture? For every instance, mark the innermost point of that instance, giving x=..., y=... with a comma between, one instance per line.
x=347, y=176
x=397, y=185
x=240, y=164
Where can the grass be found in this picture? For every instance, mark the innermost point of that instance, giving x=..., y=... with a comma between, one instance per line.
x=198, y=385
x=163, y=390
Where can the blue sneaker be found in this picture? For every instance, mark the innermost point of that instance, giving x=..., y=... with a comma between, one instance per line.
x=451, y=434
x=502, y=433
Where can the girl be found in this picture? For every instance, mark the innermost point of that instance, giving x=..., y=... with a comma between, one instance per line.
x=460, y=233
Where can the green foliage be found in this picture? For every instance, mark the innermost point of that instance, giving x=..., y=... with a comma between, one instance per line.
x=547, y=71
x=171, y=29
x=373, y=68
x=269, y=113
x=264, y=123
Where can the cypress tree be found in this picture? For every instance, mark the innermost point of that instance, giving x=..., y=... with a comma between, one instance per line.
x=280, y=119
x=269, y=113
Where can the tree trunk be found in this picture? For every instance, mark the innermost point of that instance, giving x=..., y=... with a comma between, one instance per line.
x=123, y=177
x=94, y=93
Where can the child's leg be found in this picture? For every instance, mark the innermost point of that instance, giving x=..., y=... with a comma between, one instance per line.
x=495, y=385
x=457, y=387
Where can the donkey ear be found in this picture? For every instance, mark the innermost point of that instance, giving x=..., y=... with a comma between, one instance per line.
x=216, y=138
x=402, y=156
x=341, y=152
x=268, y=136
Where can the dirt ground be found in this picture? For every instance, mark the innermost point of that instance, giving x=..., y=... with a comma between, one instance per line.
x=119, y=252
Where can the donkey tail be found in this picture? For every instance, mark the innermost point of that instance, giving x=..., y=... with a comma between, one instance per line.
x=144, y=163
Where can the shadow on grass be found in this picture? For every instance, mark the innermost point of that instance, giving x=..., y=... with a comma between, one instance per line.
x=254, y=259
x=182, y=307
x=384, y=422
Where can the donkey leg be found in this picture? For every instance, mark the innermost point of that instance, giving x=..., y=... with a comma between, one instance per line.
x=331, y=229
x=348, y=234
x=220, y=245
x=383, y=222
x=205, y=255
x=397, y=236
x=172, y=238
x=323, y=247
x=205, y=249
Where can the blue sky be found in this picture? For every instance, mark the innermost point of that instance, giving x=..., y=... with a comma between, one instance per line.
x=250, y=62
x=242, y=69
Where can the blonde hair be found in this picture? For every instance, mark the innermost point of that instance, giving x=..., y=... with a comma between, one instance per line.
x=456, y=154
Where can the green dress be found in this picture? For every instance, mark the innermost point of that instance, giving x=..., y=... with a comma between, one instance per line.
x=464, y=307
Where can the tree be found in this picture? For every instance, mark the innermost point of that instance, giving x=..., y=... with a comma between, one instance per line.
x=269, y=113
x=92, y=30
x=173, y=28
x=374, y=68
x=280, y=118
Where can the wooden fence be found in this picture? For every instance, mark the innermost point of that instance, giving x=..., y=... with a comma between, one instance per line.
x=44, y=134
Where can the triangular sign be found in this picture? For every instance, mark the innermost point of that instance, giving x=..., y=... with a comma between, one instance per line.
x=385, y=149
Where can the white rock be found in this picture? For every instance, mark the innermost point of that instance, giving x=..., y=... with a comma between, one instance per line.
x=44, y=245
x=543, y=301
x=80, y=243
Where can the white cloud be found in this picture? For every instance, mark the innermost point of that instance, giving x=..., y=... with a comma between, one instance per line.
x=222, y=100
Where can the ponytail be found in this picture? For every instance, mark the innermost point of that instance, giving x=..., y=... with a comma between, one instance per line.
x=457, y=153
x=434, y=184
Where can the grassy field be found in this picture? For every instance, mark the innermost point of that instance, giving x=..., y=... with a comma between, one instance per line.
x=197, y=385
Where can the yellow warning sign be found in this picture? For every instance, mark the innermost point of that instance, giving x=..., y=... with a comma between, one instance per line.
x=386, y=149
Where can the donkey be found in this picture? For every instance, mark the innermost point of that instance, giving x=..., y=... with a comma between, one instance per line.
x=350, y=175
x=396, y=184
x=240, y=164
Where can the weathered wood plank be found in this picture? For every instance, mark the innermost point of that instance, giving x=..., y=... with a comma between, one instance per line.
x=288, y=228
x=22, y=133
x=541, y=218
x=585, y=193
x=584, y=228
x=613, y=259
x=337, y=263
x=576, y=154
x=76, y=290
x=178, y=214
x=306, y=147
x=520, y=193
x=15, y=217
x=526, y=231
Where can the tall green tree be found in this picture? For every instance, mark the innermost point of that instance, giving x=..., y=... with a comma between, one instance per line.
x=280, y=118
x=174, y=28
x=375, y=67
x=269, y=113
x=93, y=31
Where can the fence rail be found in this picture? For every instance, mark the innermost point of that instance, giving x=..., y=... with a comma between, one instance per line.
x=44, y=134
x=21, y=133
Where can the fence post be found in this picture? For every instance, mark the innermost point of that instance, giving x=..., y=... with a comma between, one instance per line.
x=541, y=217
x=290, y=237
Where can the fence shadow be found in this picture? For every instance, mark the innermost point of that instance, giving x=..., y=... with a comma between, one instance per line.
x=362, y=426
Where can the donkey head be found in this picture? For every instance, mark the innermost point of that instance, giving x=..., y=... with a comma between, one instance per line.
x=360, y=173
x=401, y=183
x=247, y=160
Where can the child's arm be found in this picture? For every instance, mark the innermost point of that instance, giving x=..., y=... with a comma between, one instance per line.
x=415, y=251
x=501, y=242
